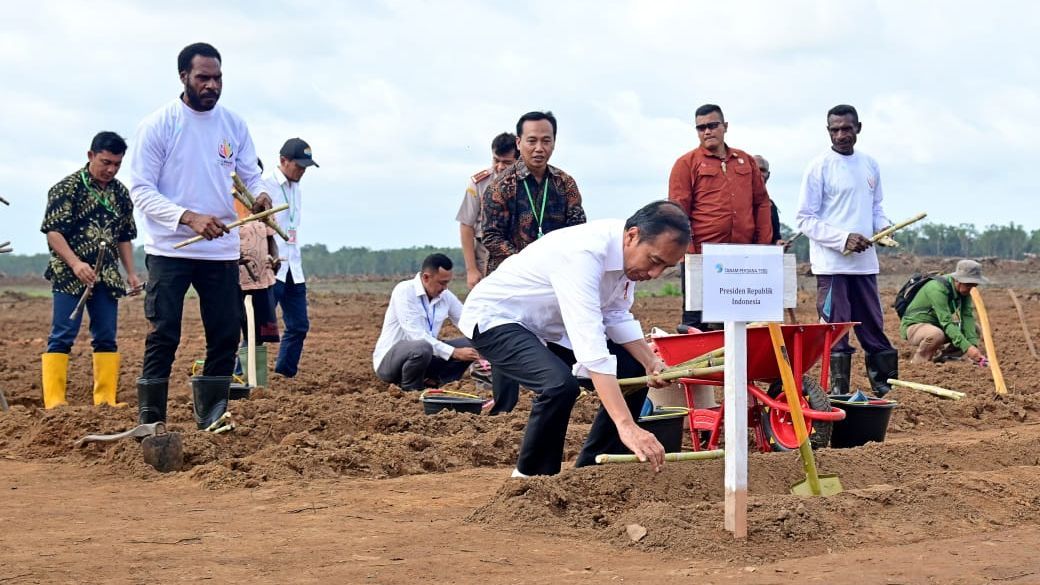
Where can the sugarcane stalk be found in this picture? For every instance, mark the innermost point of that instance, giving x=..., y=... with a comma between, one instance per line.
x=892, y=229
x=670, y=457
x=224, y=420
x=699, y=360
x=102, y=249
x=935, y=390
x=241, y=192
x=235, y=224
x=1022, y=320
x=641, y=381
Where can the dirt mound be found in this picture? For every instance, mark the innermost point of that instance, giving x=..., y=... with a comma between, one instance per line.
x=369, y=433
x=896, y=492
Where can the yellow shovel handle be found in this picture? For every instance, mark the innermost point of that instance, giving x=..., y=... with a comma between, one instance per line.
x=787, y=377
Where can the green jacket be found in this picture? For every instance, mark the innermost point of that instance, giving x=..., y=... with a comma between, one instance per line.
x=938, y=303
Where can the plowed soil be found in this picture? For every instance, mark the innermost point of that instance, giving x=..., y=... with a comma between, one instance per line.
x=337, y=477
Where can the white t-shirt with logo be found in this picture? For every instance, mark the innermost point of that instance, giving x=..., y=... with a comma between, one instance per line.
x=841, y=195
x=181, y=160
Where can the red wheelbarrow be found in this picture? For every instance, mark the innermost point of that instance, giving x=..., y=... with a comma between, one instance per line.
x=768, y=413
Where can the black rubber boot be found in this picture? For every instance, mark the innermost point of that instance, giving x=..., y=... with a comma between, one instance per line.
x=880, y=367
x=841, y=373
x=210, y=398
x=151, y=399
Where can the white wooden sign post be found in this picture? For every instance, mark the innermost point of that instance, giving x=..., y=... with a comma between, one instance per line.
x=737, y=284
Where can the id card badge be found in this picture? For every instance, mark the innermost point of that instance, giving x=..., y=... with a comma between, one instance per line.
x=292, y=236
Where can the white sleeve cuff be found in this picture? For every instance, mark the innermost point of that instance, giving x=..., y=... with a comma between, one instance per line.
x=174, y=220
x=624, y=331
x=443, y=350
x=605, y=365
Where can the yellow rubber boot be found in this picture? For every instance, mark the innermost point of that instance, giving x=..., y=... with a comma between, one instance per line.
x=106, y=379
x=55, y=376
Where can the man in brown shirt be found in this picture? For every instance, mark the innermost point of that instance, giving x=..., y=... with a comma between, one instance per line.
x=722, y=191
x=530, y=198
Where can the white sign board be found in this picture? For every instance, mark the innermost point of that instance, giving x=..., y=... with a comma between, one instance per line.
x=742, y=283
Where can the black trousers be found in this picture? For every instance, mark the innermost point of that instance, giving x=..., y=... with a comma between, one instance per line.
x=216, y=283
x=518, y=354
x=410, y=362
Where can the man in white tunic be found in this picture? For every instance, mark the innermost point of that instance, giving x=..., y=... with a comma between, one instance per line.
x=838, y=209
x=181, y=162
x=564, y=302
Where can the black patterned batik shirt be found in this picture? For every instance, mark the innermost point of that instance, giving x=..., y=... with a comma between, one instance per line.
x=511, y=216
x=85, y=219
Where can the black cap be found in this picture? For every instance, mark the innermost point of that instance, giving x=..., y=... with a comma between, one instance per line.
x=298, y=151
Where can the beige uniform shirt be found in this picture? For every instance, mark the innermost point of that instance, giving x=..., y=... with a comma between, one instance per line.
x=469, y=213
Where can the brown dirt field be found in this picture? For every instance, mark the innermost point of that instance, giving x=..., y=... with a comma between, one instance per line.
x=337, y=464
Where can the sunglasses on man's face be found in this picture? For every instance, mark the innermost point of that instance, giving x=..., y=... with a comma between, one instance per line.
x=708, y=126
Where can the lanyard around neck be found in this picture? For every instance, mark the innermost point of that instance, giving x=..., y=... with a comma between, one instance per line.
x=97, y=196
x=292, y=210
x=431, y=313
x=540, y=213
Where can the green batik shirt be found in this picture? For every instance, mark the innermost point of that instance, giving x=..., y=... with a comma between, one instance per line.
x=84, y=219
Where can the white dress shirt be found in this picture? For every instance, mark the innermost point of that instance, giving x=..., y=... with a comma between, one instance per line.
x=283, y=190
x=182, y=160
x=412, y=315
x=841, y=195
x=567, y=287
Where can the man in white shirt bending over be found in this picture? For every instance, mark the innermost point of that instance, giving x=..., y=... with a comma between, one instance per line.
x=563, y=305
x=839, y=208
x=181, y=162
x=408, y=352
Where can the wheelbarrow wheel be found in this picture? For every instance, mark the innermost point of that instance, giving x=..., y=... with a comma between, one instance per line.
x=778, y=427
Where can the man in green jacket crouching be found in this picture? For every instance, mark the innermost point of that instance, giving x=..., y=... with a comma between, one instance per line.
x=940, y=320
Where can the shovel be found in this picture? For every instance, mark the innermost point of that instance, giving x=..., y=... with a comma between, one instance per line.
x=814, y=484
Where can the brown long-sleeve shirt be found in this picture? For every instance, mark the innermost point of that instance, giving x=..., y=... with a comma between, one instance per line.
x=726, y=200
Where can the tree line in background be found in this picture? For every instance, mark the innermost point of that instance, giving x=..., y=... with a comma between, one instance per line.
x=1010, y=241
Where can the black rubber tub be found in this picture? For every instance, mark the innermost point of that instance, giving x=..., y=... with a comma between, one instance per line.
x=434, y=403
x=864, y=421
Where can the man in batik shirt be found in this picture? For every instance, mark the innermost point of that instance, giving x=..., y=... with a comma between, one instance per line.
x=89, y=216
x=530, y=198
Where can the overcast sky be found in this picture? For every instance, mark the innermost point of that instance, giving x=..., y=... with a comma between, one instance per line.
x=400, y=100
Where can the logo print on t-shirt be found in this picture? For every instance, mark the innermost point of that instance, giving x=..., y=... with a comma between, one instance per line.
x=224, y=150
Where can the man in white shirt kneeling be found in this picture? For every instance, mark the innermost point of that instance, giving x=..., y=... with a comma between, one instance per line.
x=408, y=352
x=562, y=308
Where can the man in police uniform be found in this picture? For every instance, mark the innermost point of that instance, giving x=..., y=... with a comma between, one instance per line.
x=503, y=154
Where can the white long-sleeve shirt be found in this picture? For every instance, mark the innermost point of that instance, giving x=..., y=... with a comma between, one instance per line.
x=841, y=195
x=282, y=190
x=181, y=160
x=413, y=315
x=568, y=287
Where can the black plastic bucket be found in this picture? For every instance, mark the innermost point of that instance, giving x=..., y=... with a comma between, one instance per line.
x=667, y=425
x=864, y=421
x=434, y=403
x=239, y=391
